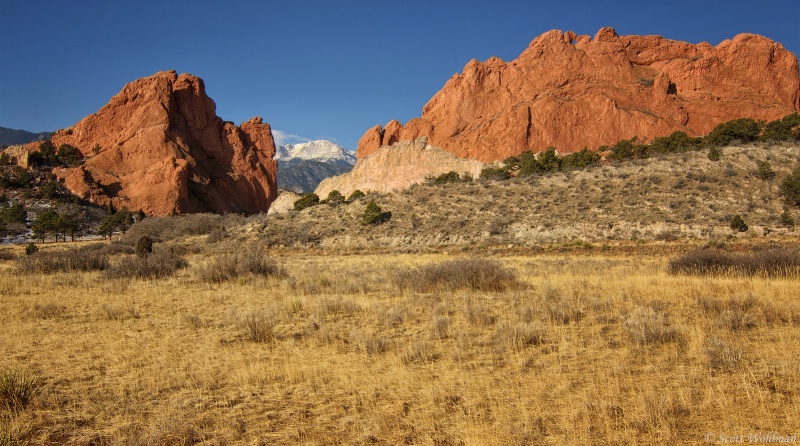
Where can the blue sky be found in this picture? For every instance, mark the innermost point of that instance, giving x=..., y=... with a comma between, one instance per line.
x=312, y=69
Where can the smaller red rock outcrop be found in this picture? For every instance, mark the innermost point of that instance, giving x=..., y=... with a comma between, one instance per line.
x=159, y=146
x=572, y=92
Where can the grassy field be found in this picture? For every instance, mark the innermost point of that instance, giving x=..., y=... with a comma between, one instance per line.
x=579, y=348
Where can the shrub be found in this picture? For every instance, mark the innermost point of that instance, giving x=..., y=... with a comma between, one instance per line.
x=470, y=273
x=216, y=235
x=47, y=150
x=15, y=177
x=440, y=327
x=713, y=153
x=738, y=224
x=495, y=173
x=580, y=160
x=356, y=195
x=369, y=343
x=742, y=129
x=645, y=325
x=111, y=249
x=259, y=326
x=83, y=259
x=734, y=314
x=790, y=188
x=144, y=246
x=219, y=269
x=781, y=129
x=253, y=261
x=549, y=160
x=306, y=202
x=17, y=390
x=677, y=142
x=786, y=219
x=373, y=215
x=628, y=148
x=527, y=163
x=31, y=248
x=173, y=227
x=776, y=262
x=48, y=311
x=69, y=155
x=154, y=266
x=445, y=178
x=764, y=171
x=335, y=197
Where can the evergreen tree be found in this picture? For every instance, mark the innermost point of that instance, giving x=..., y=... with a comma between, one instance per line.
x=373, y=214
x=45, y=223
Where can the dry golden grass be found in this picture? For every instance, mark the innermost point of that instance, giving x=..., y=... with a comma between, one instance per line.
x=589, y=349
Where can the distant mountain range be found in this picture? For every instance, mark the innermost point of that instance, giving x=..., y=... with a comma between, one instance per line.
x=301, y=167
x=12, y=137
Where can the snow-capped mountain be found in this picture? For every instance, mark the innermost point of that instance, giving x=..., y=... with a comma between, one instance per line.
x=301, y=167
x=322, y=150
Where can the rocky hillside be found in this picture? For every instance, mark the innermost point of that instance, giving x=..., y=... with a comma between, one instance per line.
x=572, y=92
x=682, y=196
x=159, y=146
x=397, y=167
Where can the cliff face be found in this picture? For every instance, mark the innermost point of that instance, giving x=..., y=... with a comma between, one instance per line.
x=397, y=167
x=159, y=146
x=574, y=91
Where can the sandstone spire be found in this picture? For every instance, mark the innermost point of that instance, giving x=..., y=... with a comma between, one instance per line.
x=159, y=146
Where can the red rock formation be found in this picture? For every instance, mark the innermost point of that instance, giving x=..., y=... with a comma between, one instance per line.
x=573, y=91
x=159, y=146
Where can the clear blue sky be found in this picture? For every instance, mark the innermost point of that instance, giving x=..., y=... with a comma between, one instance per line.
x=314, y=69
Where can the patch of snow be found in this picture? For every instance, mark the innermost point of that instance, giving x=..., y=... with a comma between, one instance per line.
x=320, y=150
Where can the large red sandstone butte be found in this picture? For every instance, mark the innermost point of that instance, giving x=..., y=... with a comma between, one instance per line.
x=573, y=92
x=159, y=146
